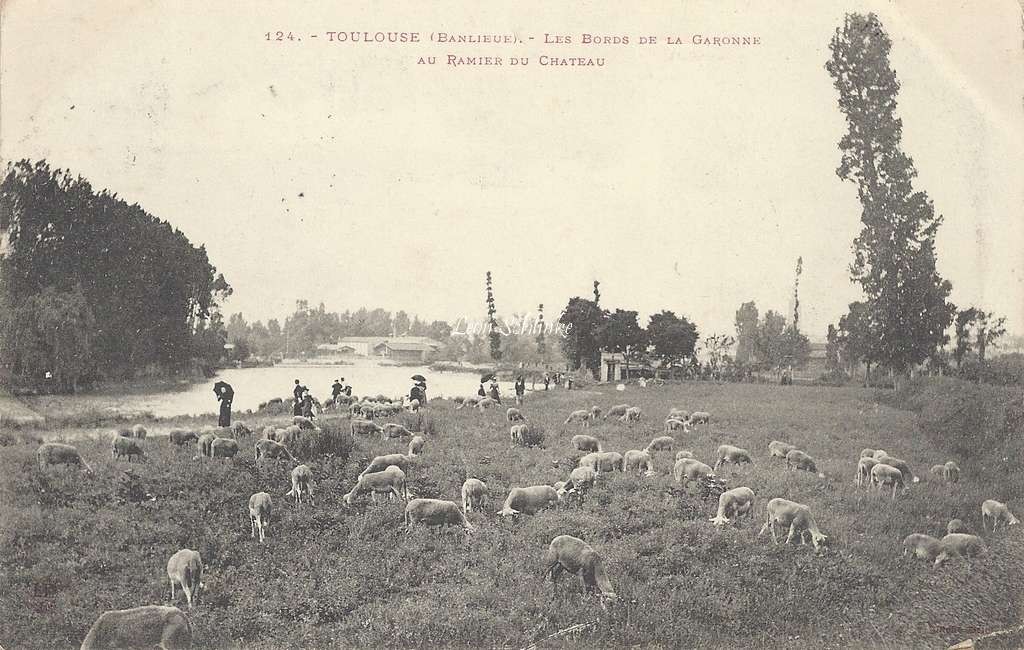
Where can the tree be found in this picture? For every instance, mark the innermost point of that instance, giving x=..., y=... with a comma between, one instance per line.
x=622, y=333
x=672, y=337
x=769, y=346
x=717, y=347
x=988, y=331
x=401, y=324
x=583, y=321
x=795, y=348
x=965, y=319
x=746, y=332
x=856, y=339
x=894, y=254
x=796, y=294
x=541, y=343
x=493, y=335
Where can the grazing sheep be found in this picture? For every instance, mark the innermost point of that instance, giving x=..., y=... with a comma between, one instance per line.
x=223, y=448
x=573, y=555
x=126, y=447
x=392, y=430
x=260, y=507
x=606, y=461
x=797, y=459
x=139, y=431
x=951, y=472
x=794, y=515
x=416, y=445
x=517, y=433
x=390, y=481
x=514, y=415
x=181, y=436
x=585, y=443
x=959, y=545
x=677, y=414
x=463, y=402
x=581, y=479
x=149, y=626
x=303, y=422
x=779, y=449
x=638, y=461
x=661, y=443
x=957, y=526
x=271, y=449
x=435, y=512
x=684, y=453
x=528, y=500
x=474, y=495
x=58, y=453
x=908, y=475
x=616, y=411
x=733, y=503
x=879, y=453
x=673, y=424
x=925, y=547
x=632, y=414
x=582, y=416
x=289, y=435
x=698, y=417
x=937, y=470
x=595, y=413
x=731, y=454
x=380, y=463
x=689, y=469
x=204, y=443
x=186, y=569
x=302, y=483
x=486, y=403
x=240, y=430
x=864, y=466
x=998, y=512
x=363, y=427
x=867, y=453
x=882, y=474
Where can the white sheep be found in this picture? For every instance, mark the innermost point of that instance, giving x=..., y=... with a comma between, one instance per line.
x=639, y=461
x=390, y=481
x=922, y=546
x=661, y=443
x=951, y=472
x=957, y=526
x=585, y=443
x=673, y=424
x=416, y=445
x=186, y=569
x=689, y=469
x=796, y=516
x=616, y=411
x=731, y=454
x=581, y=415
x=997, y=512
x=882, y=475
x=58, y=453
x=779, y=449
x=302, y=483
x=733, y=503
x=435, y=512
x=864, y=465
x=632, y=414
x=573, y=555
x=474, y=495
x=260, y=509
x=528, y=500
x=512, y=414
x=959, y=545
x=149, y=626
x=797, y=459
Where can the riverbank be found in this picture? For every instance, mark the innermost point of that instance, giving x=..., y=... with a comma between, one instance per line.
x=13, y=412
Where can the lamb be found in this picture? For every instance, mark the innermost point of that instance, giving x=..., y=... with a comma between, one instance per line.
x=879, y=453
x=956, y=526
x=363, y=427
x=638, y=461
x=380, y=463
x=126, y=447
x=734, y=503
x=139, y=431
x=186, y=569
x=390, y=481
x=260, y=507
x=462, y=403
x=302, y=483
x=514, y=415
x=573, y=555
x=585, y=443
x=661, y=443
x=486, y=403
x=864, y=466
x=517, y=433
x=731, y=454
x=416, y=445
x=582, y=416
x=140, y=627
x=271, y=449
x=632, y=414
x=435, y=512
x=689, y=469
x=677, y=414
x=959, y=545
x=908, y=475
x=616, y=411
x=673, y=424
x=223, y=448
x=779, y=449
x=528, y=500
x=684, y=453
x=474, y=495
x=303, y=422
x=882, y=474
x=794, y=515
x=925, y=547
x=797, y=459
x=181, y=436
x=998, y=512
x=392, y=430
x=204, y=443
x=951, y=472
x=58, y=453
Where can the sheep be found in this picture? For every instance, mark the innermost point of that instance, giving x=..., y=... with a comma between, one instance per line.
x=689, y=469
x=486, y=403
x=260, y=508
x=589, y=460
x=463, y=402
x=581, y=479
x=779, y=449
x=364, y=427
x=380, y=463
x=607, y=461
x=126, y=447
x=595, y=413
x=240, y=430
x=661, y=443
x=937, y=470
x=186, y=569
x=697, y=417
x=677, y=414
x=794, y=515
x=731, y=454
x=878, y=454
x=959, y=545
x=390, y=481
x=302, y=483
x=474, y=495
x=204, y=443
x=951, y=472
x=956, y=526
x=797, y=459
x=528, y=500
x=684, y=453
x=517, y=433
x=303, y=422
x=632, y=414
x=223, y=448
x=867, y=453
x=290, y=434
x=149, y=626
x=908, y=475
x=616, y=411
x=512, y=414
x=638, y=461
x=585, y=443
x=416, y=445
x=271, y=449
x=139, y=431
x=673, y=424
x=882, y=474
x=270, y=432
x=864, y=465
x=181, y=436
x=582, y=416
x=573, y=555
x=922, y=546
x=997, y=512
x=734, y=503
x=392, y=430
x=435, y=512
x=58, y=453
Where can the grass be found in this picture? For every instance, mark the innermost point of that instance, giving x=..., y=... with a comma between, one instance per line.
x=331, y=575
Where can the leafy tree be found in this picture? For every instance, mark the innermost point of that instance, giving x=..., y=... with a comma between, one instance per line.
x=746, y=332
x=439, y=330
x=795, y=348
x=796, y=294
x=401, y=324
x=894, y=254
x=769, y=346
x=989, y=331
x=541, y=344
x=622, y=333
x=52, y=332
x=583, y=320
x=672, y=337
x=717, y=347
x=965, y=319
x=493, y=335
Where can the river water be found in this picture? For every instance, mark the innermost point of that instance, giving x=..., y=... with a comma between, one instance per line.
x=255, y=385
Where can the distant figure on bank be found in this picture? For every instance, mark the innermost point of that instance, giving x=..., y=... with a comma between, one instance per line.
x=225, y=393
x=495, y=395
x=568, y=383
x=547, y=380
x=520, y=390
x=337, y=389
x=297, y=392
x=307, y=405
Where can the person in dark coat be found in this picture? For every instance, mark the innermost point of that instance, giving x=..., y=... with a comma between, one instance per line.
x=481, y=392
x=225, y=394
x=307, y=405
x=418, y=393
x=520, y=390
x=547, y=380
x=495, y=395
x=297, y=392
x=337, y=389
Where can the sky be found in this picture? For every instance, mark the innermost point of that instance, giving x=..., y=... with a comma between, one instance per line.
x=683, y=177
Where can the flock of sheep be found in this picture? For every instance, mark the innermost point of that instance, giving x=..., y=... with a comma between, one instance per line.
x=386, y=475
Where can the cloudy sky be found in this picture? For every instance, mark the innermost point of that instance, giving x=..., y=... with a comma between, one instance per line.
x=682, y=177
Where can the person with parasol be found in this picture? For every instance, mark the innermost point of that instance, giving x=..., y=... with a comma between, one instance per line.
x=225, y=393
x=418, y=391
x=520, y=390
x=495, y=395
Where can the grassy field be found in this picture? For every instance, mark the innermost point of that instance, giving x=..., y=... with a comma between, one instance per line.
x=333, y=575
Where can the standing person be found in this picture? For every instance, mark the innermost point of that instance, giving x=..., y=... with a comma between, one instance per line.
x=423, y=391
x=480, y=391
x=225, y=394
x=495, y=395
x=547, y=380
x=568, y=383
x=417, y=396
x=337, y=389
x=520, y=390
x=307, y=405
x=297, y=392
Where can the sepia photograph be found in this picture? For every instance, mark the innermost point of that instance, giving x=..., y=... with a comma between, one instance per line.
x=519, y=325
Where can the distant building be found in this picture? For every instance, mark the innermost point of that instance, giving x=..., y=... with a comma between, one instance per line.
x=397, y=348
x=815, y=366
x=613, y=368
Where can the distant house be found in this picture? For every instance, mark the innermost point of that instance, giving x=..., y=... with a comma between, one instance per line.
x=613, y=368
x=816, y=361
x=362, y=345
x=397, y=348
x=334, y=352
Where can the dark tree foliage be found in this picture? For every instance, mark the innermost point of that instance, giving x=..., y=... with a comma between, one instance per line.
x=542, y=346
x=672, y=337
x=147, y=287
x=581, y=344
x=894, y=254
x=622, y=333
x=746, y=332
x=493, y=333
